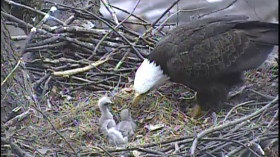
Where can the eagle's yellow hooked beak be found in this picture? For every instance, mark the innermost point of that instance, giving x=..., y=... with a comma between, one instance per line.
x=136, y=98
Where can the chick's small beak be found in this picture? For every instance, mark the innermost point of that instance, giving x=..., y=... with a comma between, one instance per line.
x=136, y=98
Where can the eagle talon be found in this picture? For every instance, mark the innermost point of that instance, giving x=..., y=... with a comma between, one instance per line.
x=194, y=112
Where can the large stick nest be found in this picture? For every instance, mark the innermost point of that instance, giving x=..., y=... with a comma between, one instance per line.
x=69, y=73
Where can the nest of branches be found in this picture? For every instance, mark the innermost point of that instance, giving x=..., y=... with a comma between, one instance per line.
x=71, y=66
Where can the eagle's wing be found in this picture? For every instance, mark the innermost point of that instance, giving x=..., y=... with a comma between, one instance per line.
x=222, y=48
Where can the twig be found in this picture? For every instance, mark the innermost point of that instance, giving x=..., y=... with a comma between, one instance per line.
x=46, y=87
x=18, y=37
x=211, y=12
x=229, y=140
x=104, y=150
x=207, y=131
x=121, y=61
x=236, y=106
x=39, y=81
x=111, y=11
x=248, y=144
x=33, y=31
x=46, y=41
x=137, y=17
x=164, y=22
x=271, y=121
x=98, y=44
x=263, y=95
x=68, y=73
x=35, y=10
x=125, y=55
x=46, y=46
x=18, y=118
x=15, y=148
x=183, y=139
x=220, y=147
x=165, y=12
x=236, y=128
x=147, y=24
x=13, y=70
x=240, y=90
x=70, y=20
x=19, y=21
x=151, y=151
x=253, y=9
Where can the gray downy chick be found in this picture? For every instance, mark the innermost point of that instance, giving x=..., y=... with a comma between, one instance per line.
x=126, y=126
x=106, y=120
x=115, y=137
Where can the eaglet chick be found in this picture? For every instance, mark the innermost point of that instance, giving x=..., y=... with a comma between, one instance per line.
x=106, y=120
x=126, y=125
x=115, y=137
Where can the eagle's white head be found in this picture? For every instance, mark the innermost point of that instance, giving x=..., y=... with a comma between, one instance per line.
x=148, y=76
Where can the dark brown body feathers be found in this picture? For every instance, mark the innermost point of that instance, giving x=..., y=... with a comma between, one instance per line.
x=210, y=55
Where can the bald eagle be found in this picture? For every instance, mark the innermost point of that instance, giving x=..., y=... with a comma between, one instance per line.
x=209, y=56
